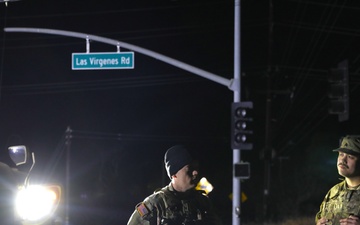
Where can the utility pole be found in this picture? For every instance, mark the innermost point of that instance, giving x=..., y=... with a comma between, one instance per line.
x=268, y=146
x=68, y=137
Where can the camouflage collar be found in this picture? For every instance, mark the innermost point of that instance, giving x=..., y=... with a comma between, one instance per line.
x=346, y=186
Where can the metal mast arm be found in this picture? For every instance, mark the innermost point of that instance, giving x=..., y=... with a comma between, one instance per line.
x=216, y=78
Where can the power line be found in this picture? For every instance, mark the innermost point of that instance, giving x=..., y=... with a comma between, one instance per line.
x=81, y=134
x=66, y=87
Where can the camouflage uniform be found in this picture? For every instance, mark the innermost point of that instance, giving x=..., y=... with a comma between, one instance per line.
x=340, y=202
x=169, y=207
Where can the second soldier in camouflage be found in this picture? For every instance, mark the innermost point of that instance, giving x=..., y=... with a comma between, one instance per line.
x=341, y=204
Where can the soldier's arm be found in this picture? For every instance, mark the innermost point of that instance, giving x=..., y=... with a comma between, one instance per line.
x=319, y=217
x=135, y=219
x=318, y=214
x=142, y=215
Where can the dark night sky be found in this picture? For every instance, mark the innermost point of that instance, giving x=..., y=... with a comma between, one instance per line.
x=124, y=120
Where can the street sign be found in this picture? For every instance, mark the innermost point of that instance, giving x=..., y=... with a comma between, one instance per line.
x=102, y=60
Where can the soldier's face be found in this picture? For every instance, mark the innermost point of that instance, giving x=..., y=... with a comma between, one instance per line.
x=348, y=165
x=184, y=178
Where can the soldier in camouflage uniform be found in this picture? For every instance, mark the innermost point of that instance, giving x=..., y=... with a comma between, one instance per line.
x=341, y=204
x=177, y=203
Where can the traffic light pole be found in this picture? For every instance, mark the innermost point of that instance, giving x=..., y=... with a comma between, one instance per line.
x=236, y=219
x=236, y=213
x=233, y=84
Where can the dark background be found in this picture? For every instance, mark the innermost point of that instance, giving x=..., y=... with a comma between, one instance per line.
x=122, y=121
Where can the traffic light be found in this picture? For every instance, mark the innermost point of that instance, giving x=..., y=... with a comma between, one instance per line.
x=241, y=125
x=339, y=91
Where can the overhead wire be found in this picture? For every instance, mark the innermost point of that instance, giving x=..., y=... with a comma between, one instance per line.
x=165, y=32
x=3, y=53
x=310, y=59
x=331, y=30
x=300, y=80
x=181, y=30
x=315, y=122
x=291, y=42
x=109, y=84
x=285, y=58
x=56, y=157
x=121, y=11
x=82, y=134
x=323, y=79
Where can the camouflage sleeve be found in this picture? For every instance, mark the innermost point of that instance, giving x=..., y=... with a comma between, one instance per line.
x=135, y=219
x=320, y=213
x=141, y=215
x=145, y=213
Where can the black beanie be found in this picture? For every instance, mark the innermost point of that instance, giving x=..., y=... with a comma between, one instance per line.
x=176, y=158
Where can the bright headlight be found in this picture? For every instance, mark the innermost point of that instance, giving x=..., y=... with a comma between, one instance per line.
x=37, y=202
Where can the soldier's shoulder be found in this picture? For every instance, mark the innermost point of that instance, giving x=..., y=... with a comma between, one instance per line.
x=339, y=186
x=334, y=190
x=156, y=195
x=145, y=207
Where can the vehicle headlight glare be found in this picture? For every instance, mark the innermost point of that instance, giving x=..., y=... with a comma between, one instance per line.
x=35, y=202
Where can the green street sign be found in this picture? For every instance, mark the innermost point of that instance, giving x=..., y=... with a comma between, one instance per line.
x=102, y=60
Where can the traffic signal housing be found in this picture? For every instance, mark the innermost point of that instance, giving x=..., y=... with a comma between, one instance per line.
x=338, y=93
x=242, y=125
x=242, y=170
